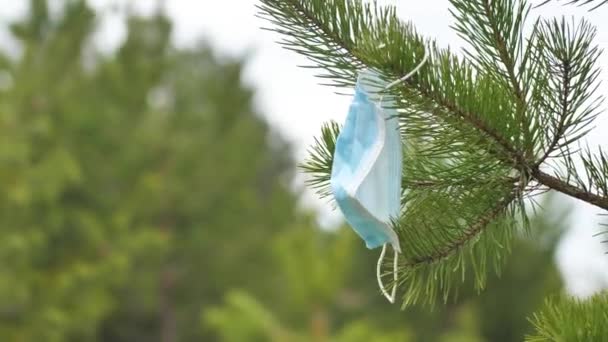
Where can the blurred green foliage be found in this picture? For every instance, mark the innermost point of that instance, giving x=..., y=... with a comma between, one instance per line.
x=144, y=199
x=571, y=319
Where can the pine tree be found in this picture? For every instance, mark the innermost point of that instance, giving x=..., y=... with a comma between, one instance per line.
x=62, y=249
x=483, y=133
x=136, y=186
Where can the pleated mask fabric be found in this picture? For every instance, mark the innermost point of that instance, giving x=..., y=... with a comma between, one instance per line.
x=366, y=170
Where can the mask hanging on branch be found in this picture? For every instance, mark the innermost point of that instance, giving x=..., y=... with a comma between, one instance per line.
x=366, y=170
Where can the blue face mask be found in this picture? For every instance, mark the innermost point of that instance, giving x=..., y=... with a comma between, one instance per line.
x=367, y=165
x=366, y=171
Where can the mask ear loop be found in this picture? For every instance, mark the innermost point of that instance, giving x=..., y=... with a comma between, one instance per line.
x=407, y=76
x=391, y=297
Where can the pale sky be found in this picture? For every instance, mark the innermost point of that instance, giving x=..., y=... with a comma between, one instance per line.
x=296, y=105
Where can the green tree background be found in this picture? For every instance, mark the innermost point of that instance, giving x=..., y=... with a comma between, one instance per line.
x=144, y=199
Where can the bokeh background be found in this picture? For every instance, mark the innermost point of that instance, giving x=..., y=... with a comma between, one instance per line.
x=149, y=189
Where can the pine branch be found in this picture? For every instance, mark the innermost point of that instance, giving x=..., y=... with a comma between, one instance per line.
x=597, y=3
x=567, y=96
x=321, y=159
x=571, y=57
x=476, y=129
x=565, y=103
x=494, y=31
x=467, y=234
x=570, y=319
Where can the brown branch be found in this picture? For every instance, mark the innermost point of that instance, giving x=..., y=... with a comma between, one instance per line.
x=569, y=189
x=426, y=184
x=473, y=230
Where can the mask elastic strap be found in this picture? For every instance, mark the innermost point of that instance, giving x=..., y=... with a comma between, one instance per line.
x=408, y=75
x=411, y=73
x=391, y=297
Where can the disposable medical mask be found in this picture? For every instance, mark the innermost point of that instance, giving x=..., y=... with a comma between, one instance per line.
x=367, y=166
